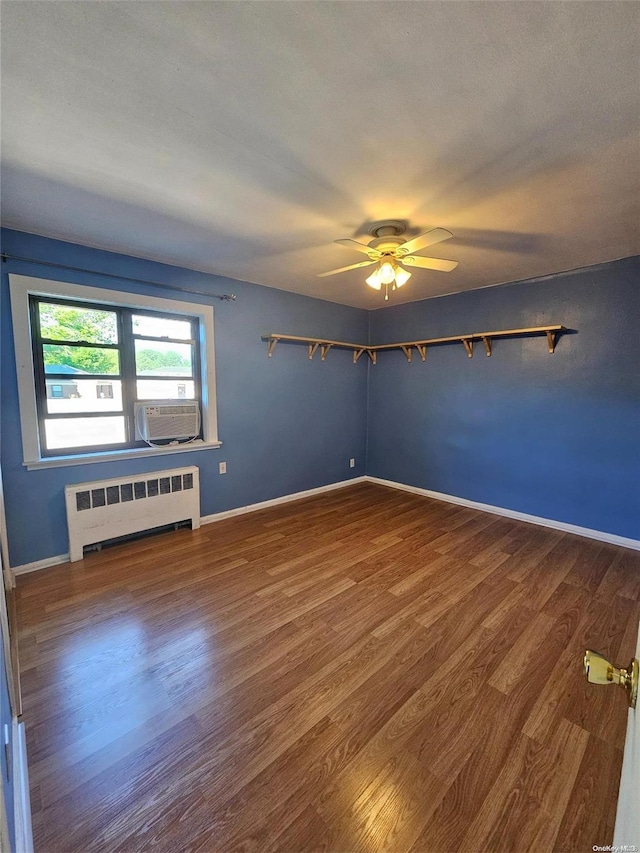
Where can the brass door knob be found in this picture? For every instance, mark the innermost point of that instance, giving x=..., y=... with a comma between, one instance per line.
x=598, y=670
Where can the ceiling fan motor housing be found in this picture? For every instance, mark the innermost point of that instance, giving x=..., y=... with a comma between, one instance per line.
x=387, y=236
x=386, y=244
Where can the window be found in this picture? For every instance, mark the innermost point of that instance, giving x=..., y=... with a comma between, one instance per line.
x=92, y=360
x=109, y=359
x=104, y=389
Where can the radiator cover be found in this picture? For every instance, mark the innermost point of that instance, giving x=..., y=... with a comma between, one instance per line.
x=105, y=509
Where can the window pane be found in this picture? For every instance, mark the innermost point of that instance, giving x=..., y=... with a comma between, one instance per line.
x=77, y=395
x=79, y=360
x=166, y=389
x=84, y=432
x=66, y=323
x=161, y=327
x=159, y=358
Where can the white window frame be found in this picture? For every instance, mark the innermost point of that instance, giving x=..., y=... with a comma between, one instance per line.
x=22, y=287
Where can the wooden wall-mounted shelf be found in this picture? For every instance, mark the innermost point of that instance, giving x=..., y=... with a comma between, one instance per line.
x=313, y=344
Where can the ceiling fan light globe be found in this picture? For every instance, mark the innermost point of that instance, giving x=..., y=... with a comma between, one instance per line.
x=387, y=272
x=374, y=280
x=402, y=276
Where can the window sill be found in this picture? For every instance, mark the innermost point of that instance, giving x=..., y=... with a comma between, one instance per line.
x=117, y=455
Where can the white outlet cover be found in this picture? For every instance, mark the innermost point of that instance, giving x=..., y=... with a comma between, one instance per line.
x=222, y=468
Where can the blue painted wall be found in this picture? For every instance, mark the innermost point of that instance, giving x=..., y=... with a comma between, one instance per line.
x=551, y=435
x=556, y=436
x=287, y=424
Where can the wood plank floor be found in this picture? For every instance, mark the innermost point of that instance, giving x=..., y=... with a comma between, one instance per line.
x=364, y=670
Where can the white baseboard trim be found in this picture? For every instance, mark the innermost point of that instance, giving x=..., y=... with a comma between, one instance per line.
x=295, y=496
x=21, y=799
x=40, y=564
x=600, y=535
x=206, y=519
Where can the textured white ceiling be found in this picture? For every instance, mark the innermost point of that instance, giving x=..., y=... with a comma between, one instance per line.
x=242, y=138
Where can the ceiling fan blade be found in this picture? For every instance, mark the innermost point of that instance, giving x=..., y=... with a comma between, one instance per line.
x=353, y=244
x=423, y=241
x=344, y=269
x=430, y=263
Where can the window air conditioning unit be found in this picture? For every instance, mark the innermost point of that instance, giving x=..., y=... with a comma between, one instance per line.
x=162, y=419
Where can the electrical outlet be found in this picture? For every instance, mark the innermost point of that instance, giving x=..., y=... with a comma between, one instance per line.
x=222, y=468
x=352, y=463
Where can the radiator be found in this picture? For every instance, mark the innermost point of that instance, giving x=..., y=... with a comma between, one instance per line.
x=124, y=505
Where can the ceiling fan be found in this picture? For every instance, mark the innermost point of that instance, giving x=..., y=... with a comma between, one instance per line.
x=391, y=254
